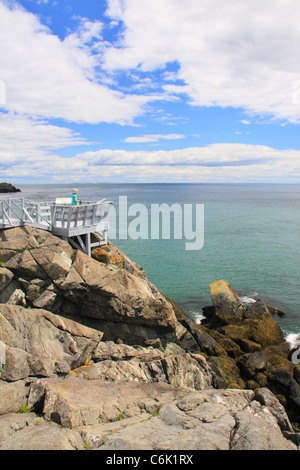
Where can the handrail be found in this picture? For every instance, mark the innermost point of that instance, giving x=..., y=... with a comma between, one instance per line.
x=37, y=213
x=63, y=220
x=19, y=211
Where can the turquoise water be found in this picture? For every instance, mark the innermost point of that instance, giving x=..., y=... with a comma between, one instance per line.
x=251, y=239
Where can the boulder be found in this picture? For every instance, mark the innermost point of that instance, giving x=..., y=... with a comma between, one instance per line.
x=267, y=398
x=39, y=343
x=13, y=395
x=254, y=366
x=284, y=383
x=223, y=296
x=255, y=317
x=17, y=298
x=58, y=278
x=113, y=257
x=186, y=370
x=228, y=306
x=203, y=339
x=253, y=425
x=100, y=255
x=226, y=372
x=30, y=432
x=152, y=367
x=6, y=277
x=117, y=296
x=23, y=239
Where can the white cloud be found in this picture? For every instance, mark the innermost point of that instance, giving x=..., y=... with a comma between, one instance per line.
x=28, y=153
x=230, y=53
x=214, y=155
x=50, y=78
x=87, y=31
x=32, y=143
x=214, y=163
x=224, y=53
x=153, y=138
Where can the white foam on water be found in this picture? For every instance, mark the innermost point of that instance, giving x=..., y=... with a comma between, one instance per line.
x=293, y=339
x=197, y=316
x=247, y=300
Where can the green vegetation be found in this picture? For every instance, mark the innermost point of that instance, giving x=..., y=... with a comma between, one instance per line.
x=25, y=408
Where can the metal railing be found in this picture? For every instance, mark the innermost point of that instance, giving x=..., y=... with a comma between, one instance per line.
x=51, y=216
x=82, y=215
x=19, y=211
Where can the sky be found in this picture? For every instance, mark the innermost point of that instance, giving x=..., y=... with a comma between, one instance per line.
x=136, y=91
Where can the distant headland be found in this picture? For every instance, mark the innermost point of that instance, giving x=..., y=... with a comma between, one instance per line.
x=8, y=188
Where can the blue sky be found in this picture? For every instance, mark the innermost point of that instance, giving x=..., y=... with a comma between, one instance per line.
x=149, y=91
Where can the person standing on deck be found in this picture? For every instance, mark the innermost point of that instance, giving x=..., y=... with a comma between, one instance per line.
x=75, y=200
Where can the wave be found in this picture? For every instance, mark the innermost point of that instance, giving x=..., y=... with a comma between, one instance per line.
x=247, y=300
x=249, y=297
x=196, y=316
x=293, y=339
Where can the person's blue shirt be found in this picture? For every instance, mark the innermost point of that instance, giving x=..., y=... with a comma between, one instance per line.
x=75, y=201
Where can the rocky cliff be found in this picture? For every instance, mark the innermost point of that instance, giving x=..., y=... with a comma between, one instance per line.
x=93, y=356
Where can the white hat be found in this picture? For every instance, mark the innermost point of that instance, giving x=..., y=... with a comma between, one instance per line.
x=75, y=190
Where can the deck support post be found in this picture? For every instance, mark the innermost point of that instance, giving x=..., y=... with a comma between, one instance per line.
x=88, y=244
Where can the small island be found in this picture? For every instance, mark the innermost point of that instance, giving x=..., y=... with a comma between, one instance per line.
x=8, y=188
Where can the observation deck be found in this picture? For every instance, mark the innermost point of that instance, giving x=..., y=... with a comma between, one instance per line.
x=84, y=226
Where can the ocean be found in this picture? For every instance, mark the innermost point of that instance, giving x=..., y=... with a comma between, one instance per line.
x=251, y=240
